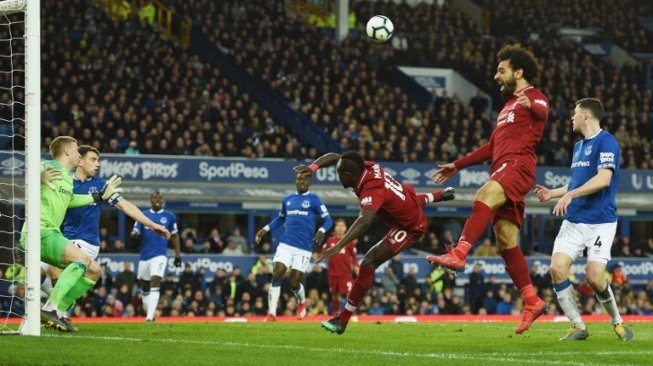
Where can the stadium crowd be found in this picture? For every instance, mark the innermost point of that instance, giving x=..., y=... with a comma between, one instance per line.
x=170, y=102
x=123, y=89
x=243, y=291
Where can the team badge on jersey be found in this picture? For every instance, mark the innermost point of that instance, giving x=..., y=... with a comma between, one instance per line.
x=588, y=150
x=306, y=204
x=164, y=220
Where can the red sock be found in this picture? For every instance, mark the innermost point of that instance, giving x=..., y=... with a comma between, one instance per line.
x=359, y=289
x=473, y=229
x=335, y=303
x=517, y=268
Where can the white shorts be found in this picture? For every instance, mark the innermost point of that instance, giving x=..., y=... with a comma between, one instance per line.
x=573, y=238
x=91, y=251
x=292, y=257
x=152, y=267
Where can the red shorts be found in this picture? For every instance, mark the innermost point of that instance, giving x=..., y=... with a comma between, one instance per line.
x=399, y=239
x=517, y=178
x=340, y=284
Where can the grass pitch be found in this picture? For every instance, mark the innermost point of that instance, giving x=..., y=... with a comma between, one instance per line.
x=307, y=343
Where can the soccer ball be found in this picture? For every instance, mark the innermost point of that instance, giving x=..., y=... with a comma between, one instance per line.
x=380, y=28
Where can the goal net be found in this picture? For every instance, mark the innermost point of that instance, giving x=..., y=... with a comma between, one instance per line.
x=19, y=166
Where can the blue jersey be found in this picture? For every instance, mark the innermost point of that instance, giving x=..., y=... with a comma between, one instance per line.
x=298, y=214
x=153, y=244
x=600, y=151
x=84, y=222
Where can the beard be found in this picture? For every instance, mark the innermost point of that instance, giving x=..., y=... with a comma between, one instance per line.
x=509, y=87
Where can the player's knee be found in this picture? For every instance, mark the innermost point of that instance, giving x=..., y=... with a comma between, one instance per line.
x=596, y=281
x=94, y=270
x=558, y=272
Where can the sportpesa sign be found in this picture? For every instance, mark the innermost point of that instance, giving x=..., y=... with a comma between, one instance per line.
x=275, y=171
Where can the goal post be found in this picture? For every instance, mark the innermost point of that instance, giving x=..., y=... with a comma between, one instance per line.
x=32, y=321
x=20, y=110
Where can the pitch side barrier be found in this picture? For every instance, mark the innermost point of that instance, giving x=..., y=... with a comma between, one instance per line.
x=638, y=270
x=201, y=180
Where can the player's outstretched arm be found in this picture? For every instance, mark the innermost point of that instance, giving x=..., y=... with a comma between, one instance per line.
x=358, y=228
x=544, y=194
x=323, y=161
x=132, y=211
x=446, y=171
x=278, y=221
x=110, y=193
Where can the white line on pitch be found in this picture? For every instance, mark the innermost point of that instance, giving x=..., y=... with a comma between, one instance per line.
x=446, y=356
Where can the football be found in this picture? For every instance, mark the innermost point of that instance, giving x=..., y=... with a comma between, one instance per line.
x=379, y=28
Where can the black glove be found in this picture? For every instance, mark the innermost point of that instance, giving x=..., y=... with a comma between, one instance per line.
x=178, y=262
x=448, y=194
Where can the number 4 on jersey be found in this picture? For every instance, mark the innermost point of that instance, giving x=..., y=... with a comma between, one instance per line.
x=598, y=243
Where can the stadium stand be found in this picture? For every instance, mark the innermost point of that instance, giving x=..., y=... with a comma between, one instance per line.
x=122, y=88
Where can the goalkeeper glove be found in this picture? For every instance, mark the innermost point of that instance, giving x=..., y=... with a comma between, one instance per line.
x=110, y=192
x=446, y=194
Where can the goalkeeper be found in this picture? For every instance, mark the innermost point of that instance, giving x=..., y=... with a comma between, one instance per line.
x=80, y=272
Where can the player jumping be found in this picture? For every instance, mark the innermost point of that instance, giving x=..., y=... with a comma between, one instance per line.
x=396, y=204
x=511, y=149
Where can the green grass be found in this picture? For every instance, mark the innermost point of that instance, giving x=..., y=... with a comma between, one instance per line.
x=307, y=344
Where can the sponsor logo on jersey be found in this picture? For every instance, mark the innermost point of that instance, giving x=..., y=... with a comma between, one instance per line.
x=606, y=157
x=541, y=102
x=366, y=201
x=580, y=164
x=297, y=212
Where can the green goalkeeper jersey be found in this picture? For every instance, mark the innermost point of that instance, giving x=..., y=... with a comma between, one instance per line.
x=54, y=203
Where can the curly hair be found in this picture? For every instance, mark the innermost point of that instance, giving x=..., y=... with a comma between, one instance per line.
x=520, y=58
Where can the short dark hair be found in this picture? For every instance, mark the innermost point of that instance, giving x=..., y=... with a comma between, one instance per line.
x=593, y=105
x=352, y=161
x=85, y=149
x=520, y=58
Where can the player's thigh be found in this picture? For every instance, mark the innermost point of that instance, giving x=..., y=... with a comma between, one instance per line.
x=157, y=267
x=560, y=265
x=569, y=240
x=491, y=193
x=506, y=233
x=395, y=241
x=143, y=272
x=92, y=251
x=53, y=249
x=300, y=259
x=283, y=256
x=598, y=240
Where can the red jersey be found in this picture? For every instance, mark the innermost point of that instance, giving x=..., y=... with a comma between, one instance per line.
x=342, y=263
x=395, y=204
x=517, y=133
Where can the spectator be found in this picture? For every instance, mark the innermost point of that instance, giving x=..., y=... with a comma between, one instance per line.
x=237, y=238
x=126, y=277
